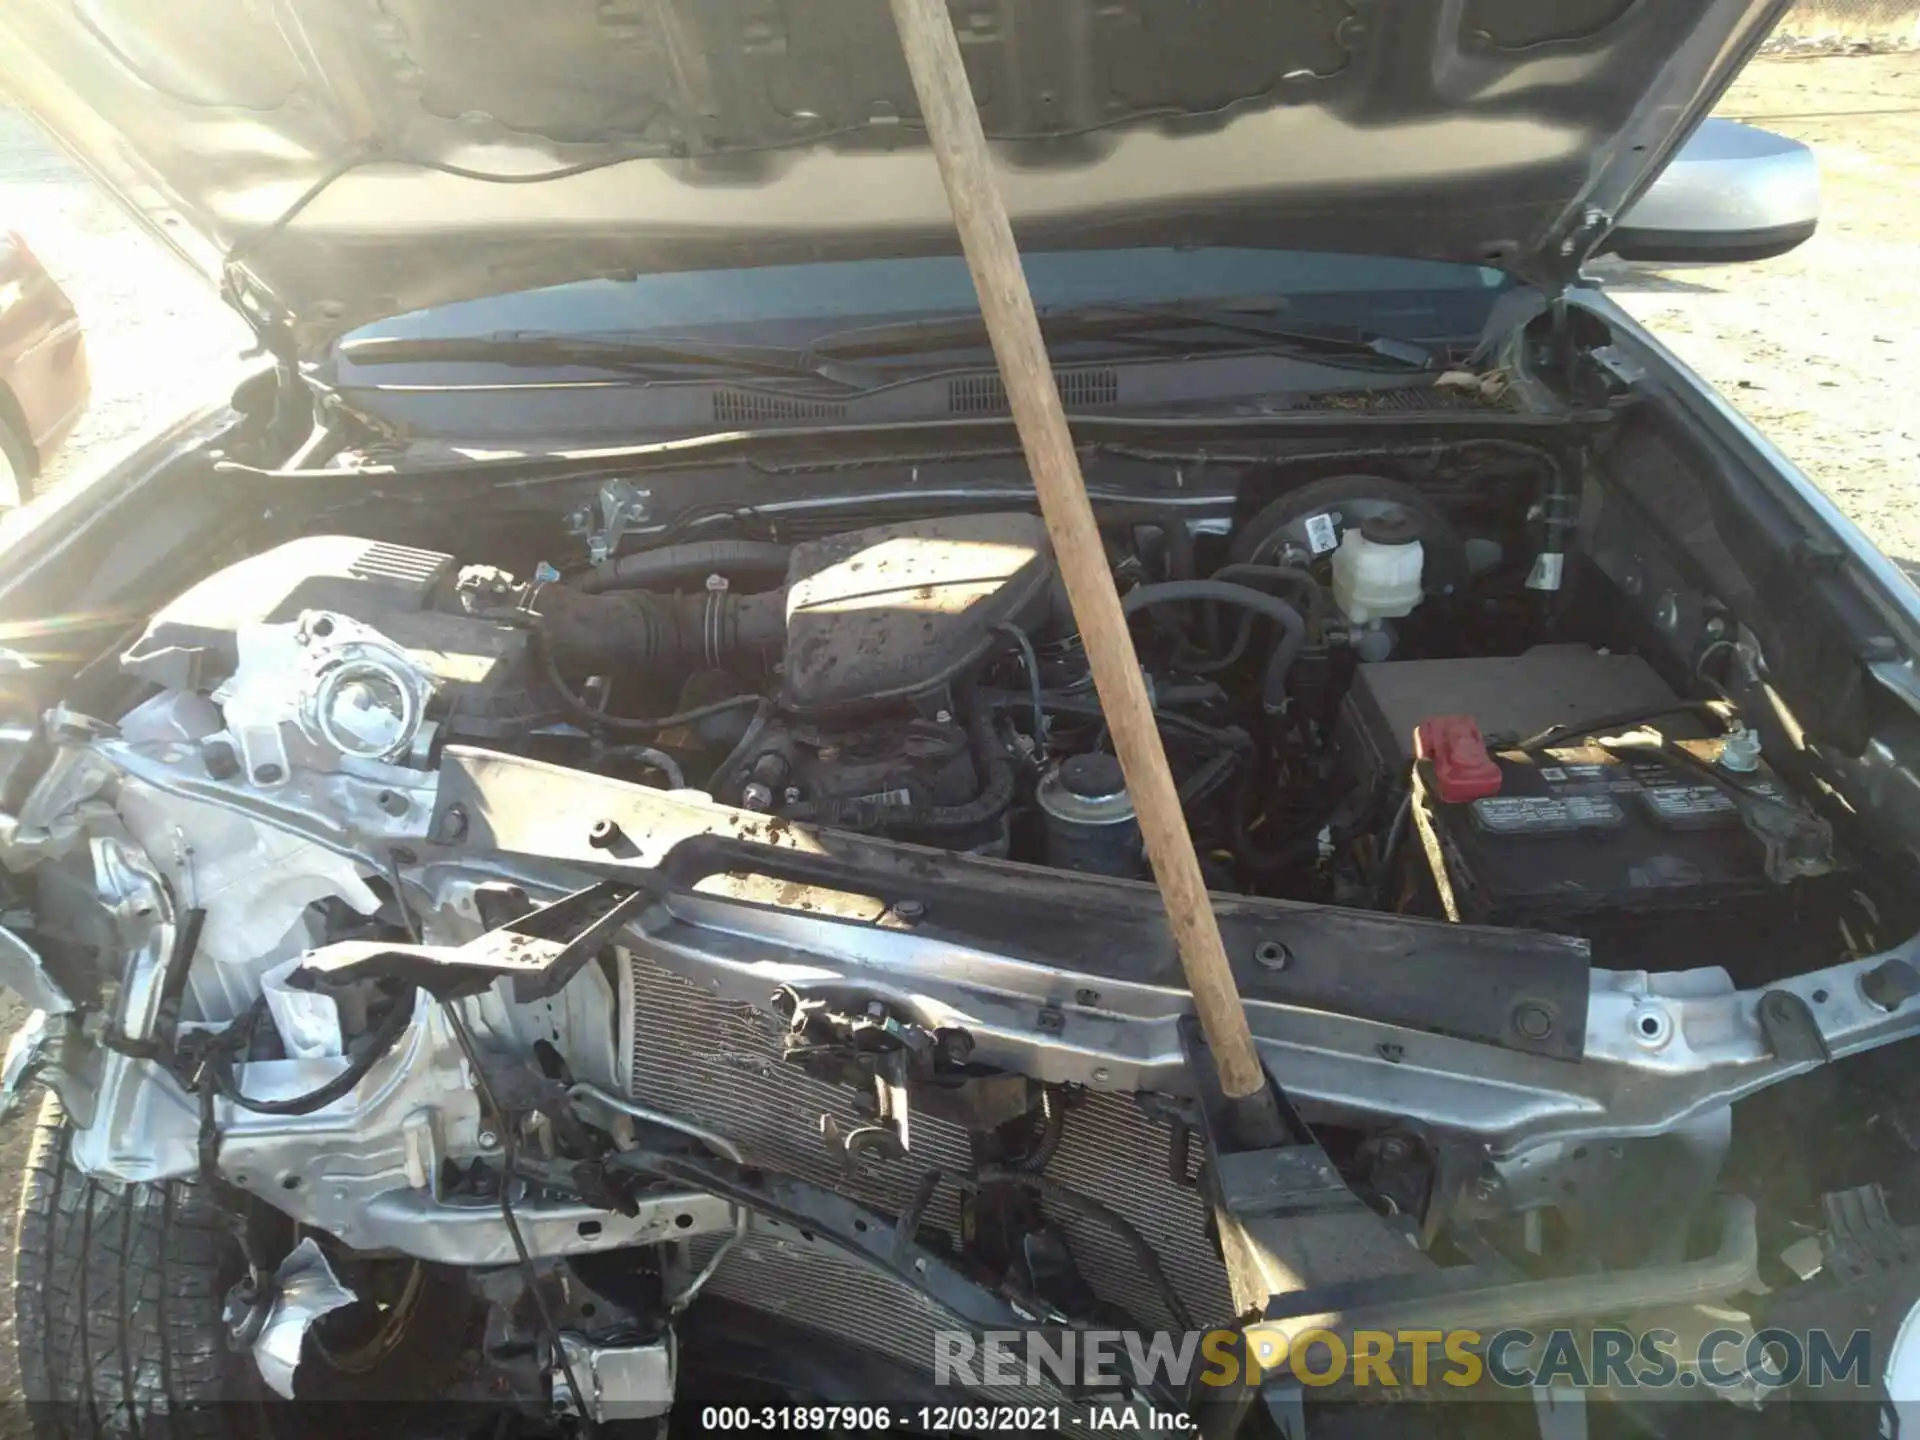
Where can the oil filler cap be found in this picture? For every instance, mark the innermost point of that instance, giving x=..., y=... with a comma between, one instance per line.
x=1462, y=768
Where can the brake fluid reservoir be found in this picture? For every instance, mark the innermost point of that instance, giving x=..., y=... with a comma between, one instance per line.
x=1376, y=570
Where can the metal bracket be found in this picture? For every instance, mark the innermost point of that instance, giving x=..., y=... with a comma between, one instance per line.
x=868, y=1037
x=1303, y=1252
x=1288, y=1222
x=1792, y=1031
x=888, y=1245
x=541, y=951
x=621, y=504
x=623, y=1382
x=274, y=1323
x=890, y=1135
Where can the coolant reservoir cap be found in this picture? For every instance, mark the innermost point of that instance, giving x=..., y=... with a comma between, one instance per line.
x=1391, y=527
x=1092, y=777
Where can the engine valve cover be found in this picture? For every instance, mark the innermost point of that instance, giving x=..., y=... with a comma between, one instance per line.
x=897, y=609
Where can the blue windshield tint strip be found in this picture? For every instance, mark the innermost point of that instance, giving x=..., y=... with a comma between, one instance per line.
x=878, y=288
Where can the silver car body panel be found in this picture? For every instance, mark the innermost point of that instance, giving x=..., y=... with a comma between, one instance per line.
x=331, y=165
x=1663, y=1051
x=1733, y=179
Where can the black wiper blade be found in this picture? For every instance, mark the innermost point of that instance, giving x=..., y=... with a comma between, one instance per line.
x=661, y=359
x=1135, y=323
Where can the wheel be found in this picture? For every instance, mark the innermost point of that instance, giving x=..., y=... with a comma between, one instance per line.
x=118, y=1315
x=19, y=468
x=117, y=1305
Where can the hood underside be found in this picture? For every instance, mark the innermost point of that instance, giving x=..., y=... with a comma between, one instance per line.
x=342, y=160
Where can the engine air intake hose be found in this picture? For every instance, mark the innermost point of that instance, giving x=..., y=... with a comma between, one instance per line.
x=592, y=632
x=1293, y=628
x=696, y=559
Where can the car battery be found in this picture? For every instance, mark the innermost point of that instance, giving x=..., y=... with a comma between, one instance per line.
x=1576, y=832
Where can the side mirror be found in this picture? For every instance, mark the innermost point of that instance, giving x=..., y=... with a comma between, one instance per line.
x=1733, y=193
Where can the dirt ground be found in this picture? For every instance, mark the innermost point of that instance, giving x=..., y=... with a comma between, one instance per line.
x=1821, y=348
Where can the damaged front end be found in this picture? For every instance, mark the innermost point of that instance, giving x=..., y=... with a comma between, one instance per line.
x=609, y=1051
x=721, y=970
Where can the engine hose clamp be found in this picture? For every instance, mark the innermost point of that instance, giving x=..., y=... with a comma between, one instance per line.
x=712, y=618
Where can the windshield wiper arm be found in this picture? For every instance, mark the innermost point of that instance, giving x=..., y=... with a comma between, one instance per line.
x=662, y=359
x=1136, y=323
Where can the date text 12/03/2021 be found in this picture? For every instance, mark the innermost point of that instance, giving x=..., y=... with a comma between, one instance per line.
x=956, y=1419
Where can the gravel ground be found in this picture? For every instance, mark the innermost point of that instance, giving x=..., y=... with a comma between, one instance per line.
x=1820, y=348
x=158, y=338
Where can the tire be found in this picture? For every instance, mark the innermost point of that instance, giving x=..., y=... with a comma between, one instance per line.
x=117, y=1306
x=118, y=1300
x=19, y=465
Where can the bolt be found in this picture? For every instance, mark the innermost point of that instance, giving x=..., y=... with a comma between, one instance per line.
x=221, y=762
x=1393, y=1148
x=944, y=717
x=604, y=835
x=791, y=795
x=453, y=824
x=1887, y=985
x=1486, y=1188
x=1051, y=1021
x=268, y=774
x=1532, y=1020
x=910, y=910
x=1650, y=1025
x=1101, y=1074
x=755, y=796
x=1271, y=955
x=1741, y=751
x=958, y=1044
x=489, y=1140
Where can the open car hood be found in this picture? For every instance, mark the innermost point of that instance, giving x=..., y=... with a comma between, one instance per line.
x=332, y=163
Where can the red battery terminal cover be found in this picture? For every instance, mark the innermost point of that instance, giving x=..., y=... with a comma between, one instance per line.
x=1462, y=768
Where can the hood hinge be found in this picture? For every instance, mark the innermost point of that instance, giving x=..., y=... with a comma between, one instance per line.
x=1556, y=268
x=273, y=336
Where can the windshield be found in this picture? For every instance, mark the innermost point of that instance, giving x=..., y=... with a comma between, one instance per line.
x=1414, y=299
x=613, y=360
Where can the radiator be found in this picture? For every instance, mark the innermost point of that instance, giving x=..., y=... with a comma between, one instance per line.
x=718, y=1063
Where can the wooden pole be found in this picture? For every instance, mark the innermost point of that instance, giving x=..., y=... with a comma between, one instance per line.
x=953, y=125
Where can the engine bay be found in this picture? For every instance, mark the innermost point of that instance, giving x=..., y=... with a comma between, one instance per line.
x=921, y=680
x=639, y=885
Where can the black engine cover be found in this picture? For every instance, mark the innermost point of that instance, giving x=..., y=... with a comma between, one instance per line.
x=896, y=610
